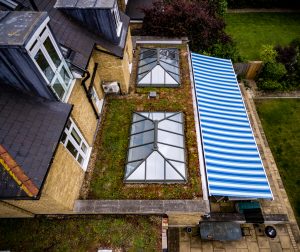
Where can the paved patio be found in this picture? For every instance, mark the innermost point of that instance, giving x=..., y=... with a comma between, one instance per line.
x=256, y=241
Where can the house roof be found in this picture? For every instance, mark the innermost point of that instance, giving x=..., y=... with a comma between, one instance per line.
x=30, y=130
x=18, y=26
x=233, y=165
x=75, y=36
x=134, y=8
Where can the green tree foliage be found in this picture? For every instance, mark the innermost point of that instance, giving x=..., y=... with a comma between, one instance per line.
x=273, y=71
x=198, y=20
x=281, y=69
x=220, y=6
x=268, y=54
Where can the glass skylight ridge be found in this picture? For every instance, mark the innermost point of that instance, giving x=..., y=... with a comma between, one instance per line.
x=157, y=148
x=158, y=67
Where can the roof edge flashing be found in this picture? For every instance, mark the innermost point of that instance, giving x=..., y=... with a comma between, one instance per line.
x=83, y=4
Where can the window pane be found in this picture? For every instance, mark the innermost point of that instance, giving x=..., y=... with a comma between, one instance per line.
x=83, y=147
x=155, y=167
x=76, y=136
x=65, y=75
x=44, y=65
x=68, y=124
x=72, y=149
x=143, y=138
x=52, y=52
x=80, y=159
x=142, y=126
x=63, y=137
x=59, y=90
x=139, y=152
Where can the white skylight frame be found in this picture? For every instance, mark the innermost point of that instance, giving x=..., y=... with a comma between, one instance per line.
x=158, y=67
x=157, y=144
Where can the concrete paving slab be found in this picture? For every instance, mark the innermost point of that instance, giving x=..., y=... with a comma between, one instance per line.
x=242, y=244
x=253, y=246
x=285, y=241
x=196, y=242
x=275, y=247
x=263, y=242
x=207, y=246
x=184, y=246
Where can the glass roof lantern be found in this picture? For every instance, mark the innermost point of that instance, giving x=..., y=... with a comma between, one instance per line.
x=158, y=67
x=157, y=148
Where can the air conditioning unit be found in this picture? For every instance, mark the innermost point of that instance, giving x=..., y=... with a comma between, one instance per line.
x=111, y=87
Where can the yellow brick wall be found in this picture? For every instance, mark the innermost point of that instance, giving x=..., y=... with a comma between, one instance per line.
x=10, y=211
x=112, y=68
x=61, y=188
x=83, y=113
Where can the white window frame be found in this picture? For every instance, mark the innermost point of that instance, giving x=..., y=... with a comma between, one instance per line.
x=37, y=42
x=69, y=138
x=117, y=19
x=97, y=101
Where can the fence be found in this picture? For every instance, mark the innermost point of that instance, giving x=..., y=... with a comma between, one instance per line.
x=248, y=70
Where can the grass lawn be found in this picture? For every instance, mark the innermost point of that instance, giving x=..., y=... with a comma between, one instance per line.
x=112, y=143
x=252, y=30
x=131, y=233
x=281, y=122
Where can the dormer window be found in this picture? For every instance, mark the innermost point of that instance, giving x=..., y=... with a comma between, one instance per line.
x=117, y=20
x=48, y=58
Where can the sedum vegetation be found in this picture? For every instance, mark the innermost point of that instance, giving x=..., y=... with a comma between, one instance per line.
x=113, y=138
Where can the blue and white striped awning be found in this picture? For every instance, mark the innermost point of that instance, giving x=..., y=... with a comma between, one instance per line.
x=233, y=165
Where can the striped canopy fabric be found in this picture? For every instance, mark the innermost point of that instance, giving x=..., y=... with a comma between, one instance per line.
x=233, y=165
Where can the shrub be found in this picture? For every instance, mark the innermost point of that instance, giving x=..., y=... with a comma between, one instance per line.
x=269, y=85
x=227, y=51
x=268, y=54
x=195, y=19
x=220, y=6
x=273, y=71
x=287, y=55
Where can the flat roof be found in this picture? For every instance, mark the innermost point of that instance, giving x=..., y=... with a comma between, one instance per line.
x=30, y=130
x=16, y=27
x=233, y=164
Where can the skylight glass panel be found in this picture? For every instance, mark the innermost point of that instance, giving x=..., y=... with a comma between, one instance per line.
x=158, y=67
x=156, y=148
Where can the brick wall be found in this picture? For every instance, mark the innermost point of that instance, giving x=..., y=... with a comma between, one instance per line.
x=61, y=188
x=10, y=211
x=83, y=113
x=112, y=68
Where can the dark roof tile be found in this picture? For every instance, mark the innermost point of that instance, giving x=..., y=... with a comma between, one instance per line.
x=32, y=142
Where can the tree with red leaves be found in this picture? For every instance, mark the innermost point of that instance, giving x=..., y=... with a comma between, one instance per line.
x=198, y=20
